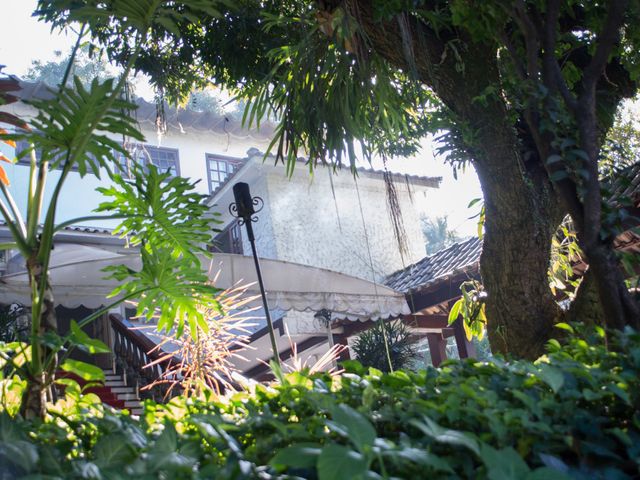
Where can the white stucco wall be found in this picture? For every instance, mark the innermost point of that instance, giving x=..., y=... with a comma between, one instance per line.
x=312, y=228
x=303, y=223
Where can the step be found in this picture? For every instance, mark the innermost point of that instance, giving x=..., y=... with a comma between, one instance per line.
x=122, y=389
x=114, y=383
x=114, y=403
x=128, y=396
x=132, y=404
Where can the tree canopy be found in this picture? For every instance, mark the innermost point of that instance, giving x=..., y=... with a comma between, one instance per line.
x=437, y=234
x=87, y=65
x=525, y=91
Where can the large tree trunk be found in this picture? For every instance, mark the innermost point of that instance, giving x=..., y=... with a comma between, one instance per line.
x=522, y=207
x=519, y=224
x=522, y=211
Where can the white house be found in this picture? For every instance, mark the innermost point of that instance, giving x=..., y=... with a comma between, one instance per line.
x=339, y=223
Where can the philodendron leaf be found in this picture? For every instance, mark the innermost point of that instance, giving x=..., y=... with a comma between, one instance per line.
x=76, y=125
x=337, y=462
x=300, y=455
x=160, y=211
x=357, y=428
x=175, y=291
x=445, y=435
x=85, y=371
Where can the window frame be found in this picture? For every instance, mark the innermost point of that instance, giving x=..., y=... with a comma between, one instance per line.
x=235, y=161
x=25, y=160
x=144, y=151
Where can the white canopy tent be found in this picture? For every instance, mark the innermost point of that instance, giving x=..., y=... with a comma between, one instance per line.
x=77, y=279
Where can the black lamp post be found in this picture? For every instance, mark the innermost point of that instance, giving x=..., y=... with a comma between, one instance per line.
x=245, y=209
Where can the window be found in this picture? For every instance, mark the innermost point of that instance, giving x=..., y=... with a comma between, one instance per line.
x=165, y=159
x=219, y=169
x=26, y=158
x=229, y=240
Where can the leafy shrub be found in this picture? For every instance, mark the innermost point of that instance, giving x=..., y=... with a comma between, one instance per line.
x=371, y=352
x=571, y=414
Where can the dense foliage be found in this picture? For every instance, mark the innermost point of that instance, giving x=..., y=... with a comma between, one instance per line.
x=86, y=125
x=371, y=351
x=571, y=414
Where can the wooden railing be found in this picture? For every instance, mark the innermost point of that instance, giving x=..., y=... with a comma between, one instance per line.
x=134, y=353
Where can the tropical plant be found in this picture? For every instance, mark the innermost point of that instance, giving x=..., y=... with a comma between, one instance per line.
x=11, y=329
x=470, y=308
x=437, y=234
x=565, y=253
x=525, y=91
x=76, y=129
x=370, y=348
x=571, y=414
x=200, y=364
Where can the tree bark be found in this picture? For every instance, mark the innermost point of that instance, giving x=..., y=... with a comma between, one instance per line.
x=521, y=208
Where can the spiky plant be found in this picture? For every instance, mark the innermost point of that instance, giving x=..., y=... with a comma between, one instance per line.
x=201, y=362
x=370, y=349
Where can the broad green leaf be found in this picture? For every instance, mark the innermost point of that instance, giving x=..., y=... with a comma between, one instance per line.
x=300, y=455
x=160, y=212
x=455, y=311
x=422, y=457
x=113, y=450
x=175, y=291
x=86, y=371
x=565, y=326
x=552, y=376
x=620, y=393
x=445, y=435
x=20, y=453
x=358, y=429
x=74, y=127
x=80, y=338
x=337, y=462
x=504, y=464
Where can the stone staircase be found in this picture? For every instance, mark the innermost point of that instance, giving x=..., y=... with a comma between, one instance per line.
x=114, y=392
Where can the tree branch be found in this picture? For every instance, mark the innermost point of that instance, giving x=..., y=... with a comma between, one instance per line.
x=552, y=69
x=606, y=40
x=531, y=39
x=519, y=67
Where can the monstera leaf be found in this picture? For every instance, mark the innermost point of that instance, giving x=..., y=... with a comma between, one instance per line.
x=167, y=288
x=160, y=211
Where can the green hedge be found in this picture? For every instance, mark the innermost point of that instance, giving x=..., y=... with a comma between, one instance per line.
x=572, y=414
